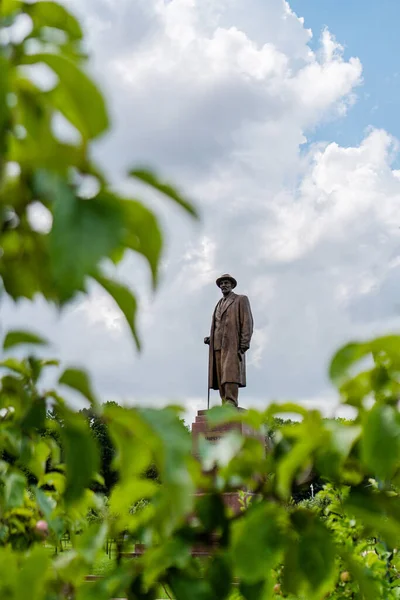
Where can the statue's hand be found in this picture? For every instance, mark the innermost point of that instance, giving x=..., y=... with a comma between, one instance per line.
x=207, y=341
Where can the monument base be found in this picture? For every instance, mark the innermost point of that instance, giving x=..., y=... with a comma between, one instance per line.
x=200, y=428
x=232, y=500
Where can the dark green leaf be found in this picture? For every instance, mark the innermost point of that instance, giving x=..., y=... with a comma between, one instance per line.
x=165, y=188
x=16, y=338
x=309, y=566
x=184, y=587
x=52, y=14
x=35, y=416
x=14, y=490
x=125, y=300
x=210, y=510
x=81, y=455
x=78, y=380
x=75, y=96
x=174, y=552
x=344, y=359
x=258, y=540
x=380, y=443
x=220, y=576
x=252, y=591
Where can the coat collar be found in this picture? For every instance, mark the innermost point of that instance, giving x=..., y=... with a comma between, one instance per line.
x=227, y=304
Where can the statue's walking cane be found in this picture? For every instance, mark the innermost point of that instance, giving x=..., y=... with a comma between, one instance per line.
x=208, y=397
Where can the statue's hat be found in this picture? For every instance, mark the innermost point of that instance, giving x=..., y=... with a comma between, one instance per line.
x=226, y=276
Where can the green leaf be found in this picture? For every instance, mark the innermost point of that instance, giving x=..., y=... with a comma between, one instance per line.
x=156, y=561
x=310, y=434
x=92, y=541
x=309, y=566
x=17, y=366
x=253, y=591
x=81, y=455
x=143, y=233
x=379, y=513
x=124, y=299
x=4, y=108
x=344, y=359
x=45, y=502
x=380, y=443
x=8, y=7
x=165, y=188
x=35, y=416
x=370, y=588
x=83, y=233
x=258, y=541
x=78, y=380
x=33, y=577
x=51, y=14
x=184, y=586
x=16, y=338
x=75, y=96
x=220, y=577
x=14, y=490
x=124, y=495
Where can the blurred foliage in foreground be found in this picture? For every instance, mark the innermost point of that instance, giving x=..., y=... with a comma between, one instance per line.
x=60, y=224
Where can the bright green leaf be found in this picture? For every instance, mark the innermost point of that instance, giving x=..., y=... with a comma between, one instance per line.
x=125, y=494
x=45, y=503
x=165, y=188
x=81, y=455
x=78, y=380
x=125, y=300
x=52, y=14
x=380, y=443
x=258, y=540
x=16, y=338
x=33, y=575
x=15, y=365
x=75, y=95
x=143, y=233
x=344, y=359
x=83, y=233
x=14, y=490
x=379, y=513
x=92, y=541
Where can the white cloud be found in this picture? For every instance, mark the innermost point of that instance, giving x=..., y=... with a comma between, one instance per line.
x=221, y=95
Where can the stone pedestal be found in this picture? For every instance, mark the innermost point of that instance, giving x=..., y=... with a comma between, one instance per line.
x=201, y=429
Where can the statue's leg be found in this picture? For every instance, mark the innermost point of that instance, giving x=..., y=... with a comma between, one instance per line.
x=231, y=394
x=217, y=362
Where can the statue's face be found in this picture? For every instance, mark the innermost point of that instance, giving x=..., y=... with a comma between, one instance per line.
x=226, y=286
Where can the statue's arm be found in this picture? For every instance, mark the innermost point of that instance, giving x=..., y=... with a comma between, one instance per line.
x=246, y=324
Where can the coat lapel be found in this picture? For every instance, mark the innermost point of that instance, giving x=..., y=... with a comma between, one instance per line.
x=232, y=298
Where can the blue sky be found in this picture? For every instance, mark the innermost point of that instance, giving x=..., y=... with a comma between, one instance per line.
x=368, y=29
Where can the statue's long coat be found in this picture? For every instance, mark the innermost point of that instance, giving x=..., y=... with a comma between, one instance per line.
x=237, y=329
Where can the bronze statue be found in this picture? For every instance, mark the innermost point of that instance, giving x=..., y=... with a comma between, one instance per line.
x=231, y=331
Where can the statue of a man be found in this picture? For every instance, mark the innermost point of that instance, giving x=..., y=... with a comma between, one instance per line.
x=231, y=331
